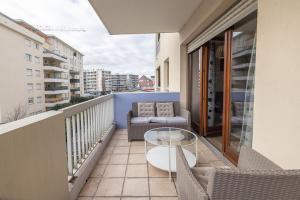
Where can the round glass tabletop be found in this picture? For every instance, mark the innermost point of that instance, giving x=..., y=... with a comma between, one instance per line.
x=169, y=136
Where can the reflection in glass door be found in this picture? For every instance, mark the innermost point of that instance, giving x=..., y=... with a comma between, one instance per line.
x=195, y=89
x=242, y=38
x=222, y=85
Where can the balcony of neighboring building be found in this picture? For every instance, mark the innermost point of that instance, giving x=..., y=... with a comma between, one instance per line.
x=52, y=55
x=74, y=78
x=56, y=88
x=55, y=77
x=54, y=99
x=74, y=71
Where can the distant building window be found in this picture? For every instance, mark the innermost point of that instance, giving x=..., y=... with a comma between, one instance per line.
x=38, y=86
x=28, y=57
x=28, y=42
x=28, y=72
x=38, y=73
x=29, y=86
x=37, y=59
x=36, y=46
x=30, y=100
x=39, y=99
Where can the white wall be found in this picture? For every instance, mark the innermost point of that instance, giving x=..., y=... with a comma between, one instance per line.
x=277, y=82
x=169, y=50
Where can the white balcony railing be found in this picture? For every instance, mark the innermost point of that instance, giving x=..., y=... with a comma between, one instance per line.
x=86, y=125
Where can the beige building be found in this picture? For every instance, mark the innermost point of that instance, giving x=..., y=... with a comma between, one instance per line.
x=236, y=68
x=97, y=80
x=73, y=63
x=167, y=62
x=41, y=70
x=21, y=71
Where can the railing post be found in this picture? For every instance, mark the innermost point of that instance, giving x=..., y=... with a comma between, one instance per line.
x=69, y=146
x=78, y=137
x=74, y=142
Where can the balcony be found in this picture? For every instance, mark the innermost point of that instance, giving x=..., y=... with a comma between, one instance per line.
x=74, y=80
x=75, y=89
x=54, y=56
x=56, y=90
x=53, y=79
x=83, y=151
x=50, y=67
x=83, y=139
x=50, y=102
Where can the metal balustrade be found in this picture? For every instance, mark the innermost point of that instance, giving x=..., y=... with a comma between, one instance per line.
x=87, y=124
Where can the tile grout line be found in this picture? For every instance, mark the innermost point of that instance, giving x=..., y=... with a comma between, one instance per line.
x=125, y=173
x=101, y=178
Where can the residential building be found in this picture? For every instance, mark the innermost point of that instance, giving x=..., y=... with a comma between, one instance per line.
x=53, y=70
x=167, y=62
x=119, y=82
x=97, y=80
x=132, y=81
x=74, y=64
x=21, y=72
x=62, y=66
x=146, y=83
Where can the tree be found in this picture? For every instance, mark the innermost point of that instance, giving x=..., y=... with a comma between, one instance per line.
x=19, y=112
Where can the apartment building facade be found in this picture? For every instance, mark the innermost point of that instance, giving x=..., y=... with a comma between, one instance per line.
x=73, y=64
x=21, y=72
x=97, y=80
x=132, y=81
x=49, y=72
x=167, y=62
x=119, y=82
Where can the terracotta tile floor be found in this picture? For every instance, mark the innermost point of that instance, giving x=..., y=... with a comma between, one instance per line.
x=122, y=173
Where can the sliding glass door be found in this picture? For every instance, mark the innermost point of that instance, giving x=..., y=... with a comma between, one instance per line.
x=240, y=69
x=221, y=87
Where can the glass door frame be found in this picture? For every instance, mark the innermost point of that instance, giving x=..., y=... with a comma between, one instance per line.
x=227, y=151
x=203, y=107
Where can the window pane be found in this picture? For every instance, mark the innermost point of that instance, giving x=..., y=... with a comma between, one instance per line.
x=242, y=83
x=195, y=87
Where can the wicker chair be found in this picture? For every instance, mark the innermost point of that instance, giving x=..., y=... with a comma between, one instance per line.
x=255, y=178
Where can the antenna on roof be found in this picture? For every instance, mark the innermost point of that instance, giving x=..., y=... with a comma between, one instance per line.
x=58, y=28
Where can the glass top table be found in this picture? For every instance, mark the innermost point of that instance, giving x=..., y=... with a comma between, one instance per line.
x=160, y=147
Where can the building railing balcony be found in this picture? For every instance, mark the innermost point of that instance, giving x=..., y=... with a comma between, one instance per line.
x=54, y=100
x=74, y=80
x=54, y=88
x=75, y=89
x=55, y=77
x=52, y=54
x=72, y=138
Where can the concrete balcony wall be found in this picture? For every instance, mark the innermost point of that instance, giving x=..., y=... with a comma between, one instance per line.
x=123, y=103
x=33, y=162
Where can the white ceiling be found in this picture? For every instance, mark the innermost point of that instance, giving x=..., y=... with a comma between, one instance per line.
x=144, y=16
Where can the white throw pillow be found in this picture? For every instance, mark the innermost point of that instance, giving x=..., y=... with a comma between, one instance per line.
x=146, y=110
x=165, y=109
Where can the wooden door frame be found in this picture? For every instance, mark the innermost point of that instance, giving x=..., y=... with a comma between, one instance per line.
x=204, y=90
x=227, y=151
x=203, y=107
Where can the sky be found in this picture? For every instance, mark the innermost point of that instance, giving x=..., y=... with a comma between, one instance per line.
x=118, y=53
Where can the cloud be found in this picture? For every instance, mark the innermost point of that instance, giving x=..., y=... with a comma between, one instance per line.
x=118, y=53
